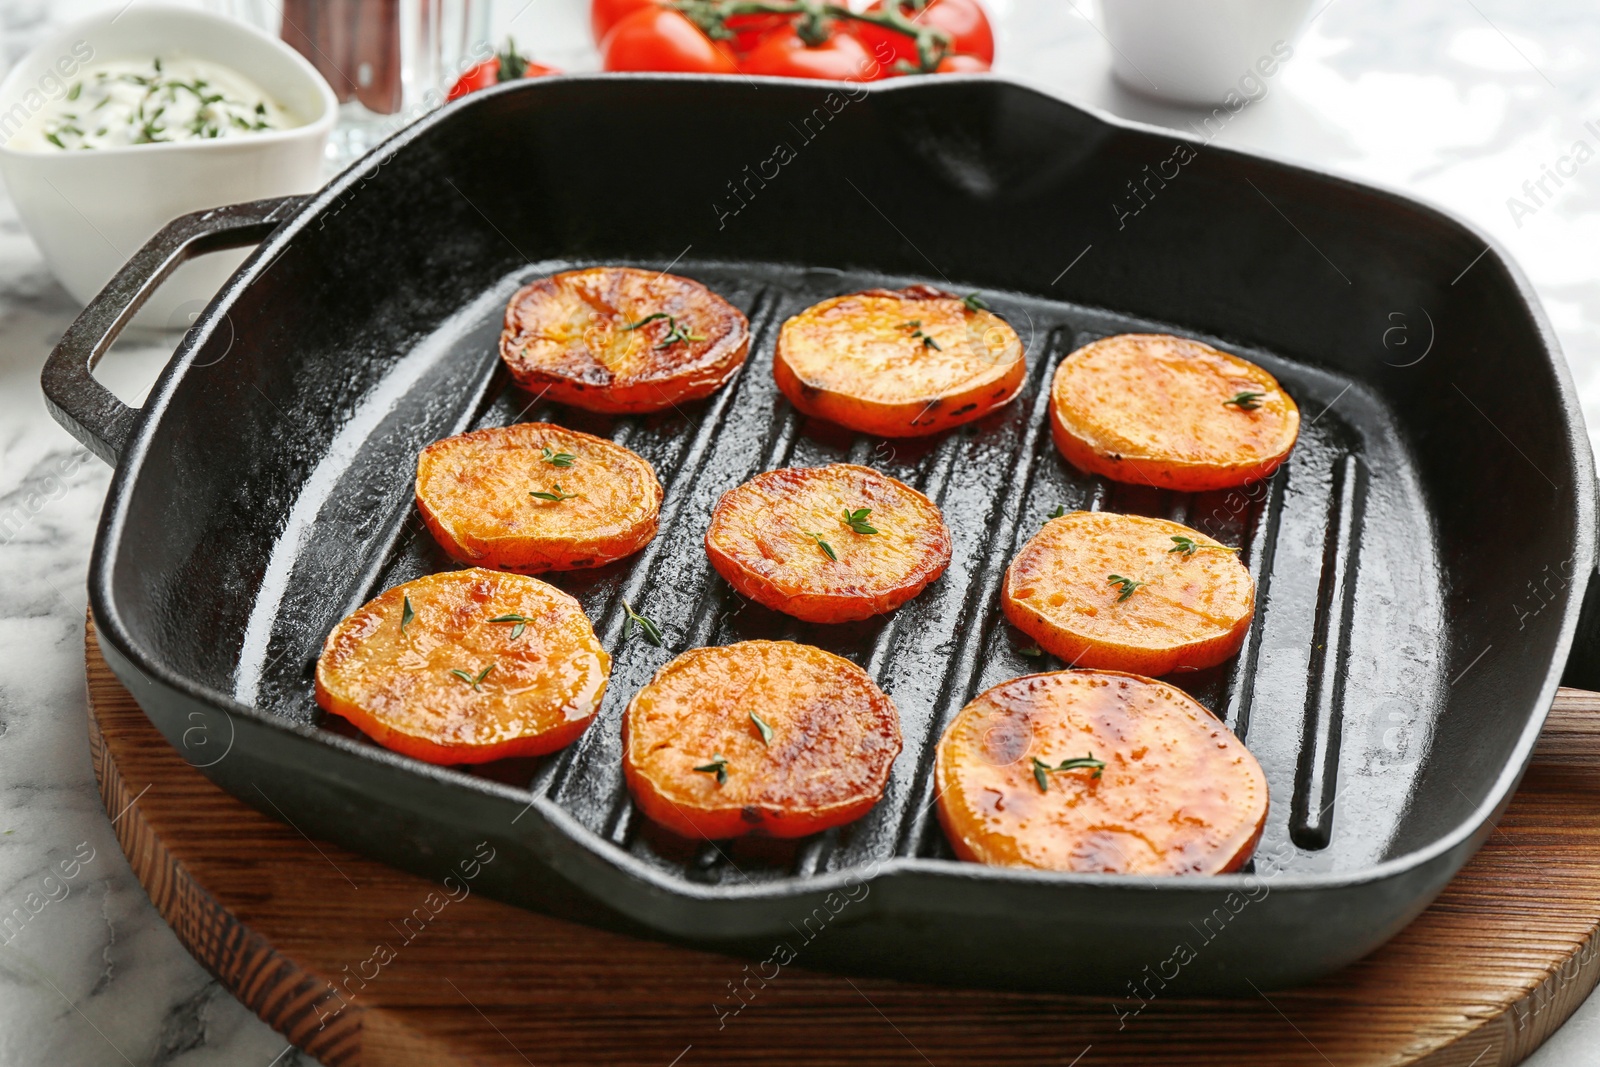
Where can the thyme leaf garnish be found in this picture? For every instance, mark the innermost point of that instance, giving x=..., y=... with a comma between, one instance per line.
x=857, y=520
x=557, y=459
x=556, y=497
x=975, y=302
x=675, y=331
x=1041, y=769
x=1189, y=546
x=914, y=328
x=765, y=730
x=1033, y=652
x=469, y=678
x=520, y=620
x=1244, y=401
x=651, y=631
x=827, y=548
x=1128, y=585
x=406, y=614
x=718, y=766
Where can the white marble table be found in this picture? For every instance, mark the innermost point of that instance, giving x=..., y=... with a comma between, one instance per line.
x=1460, y=101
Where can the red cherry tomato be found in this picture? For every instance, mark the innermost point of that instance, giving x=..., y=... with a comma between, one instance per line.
x=478, y=77
x=842, y=57
x=604, y=14
x=957, y=64
x=656, y=38
x=495, y=70
x=749, y=30
x=963, y=20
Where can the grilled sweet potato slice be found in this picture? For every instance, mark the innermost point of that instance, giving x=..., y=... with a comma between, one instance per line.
x=1158, y=410
x=827, y=544
x=759, y=737
x=466, y=667
x=898, y=362
x=535, y=497
x=618, y=339
x=1128, y=593
x=1097, y=772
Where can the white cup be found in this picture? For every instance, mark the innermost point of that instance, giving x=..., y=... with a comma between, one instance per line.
x=1198, y=51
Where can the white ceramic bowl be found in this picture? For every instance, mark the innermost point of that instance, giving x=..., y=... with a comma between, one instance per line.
x=89, y=211
x=1200, y=51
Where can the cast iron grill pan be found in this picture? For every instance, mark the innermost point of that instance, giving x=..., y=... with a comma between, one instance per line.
x=1391, y=684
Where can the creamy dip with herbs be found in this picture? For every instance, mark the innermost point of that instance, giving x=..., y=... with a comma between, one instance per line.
x=125, y=102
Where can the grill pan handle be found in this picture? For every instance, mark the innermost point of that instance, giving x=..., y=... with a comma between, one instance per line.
x=88, y=410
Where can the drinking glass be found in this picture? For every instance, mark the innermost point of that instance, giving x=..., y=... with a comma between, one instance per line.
x=389, y=61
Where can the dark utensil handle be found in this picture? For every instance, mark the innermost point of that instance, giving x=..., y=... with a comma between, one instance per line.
x=88, y=410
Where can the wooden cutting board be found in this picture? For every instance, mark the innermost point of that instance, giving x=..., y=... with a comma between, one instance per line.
x=1481, y=979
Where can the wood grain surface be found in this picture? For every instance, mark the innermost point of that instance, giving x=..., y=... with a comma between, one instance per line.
x=359, y=963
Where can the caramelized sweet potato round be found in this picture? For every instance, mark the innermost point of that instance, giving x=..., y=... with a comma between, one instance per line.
x=466, y=667
x=827, y=544
x=1128, y=593
x=759, y=737
x=618, y=339
x=476, y=492
x=1178, y=793
x=1166, y=411
x=898, y=362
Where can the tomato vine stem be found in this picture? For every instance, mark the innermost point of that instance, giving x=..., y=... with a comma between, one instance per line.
x=933, y=44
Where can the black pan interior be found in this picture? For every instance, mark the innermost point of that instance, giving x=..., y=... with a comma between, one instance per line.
x=1396, y=657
